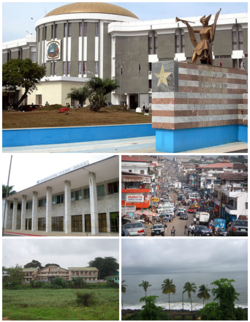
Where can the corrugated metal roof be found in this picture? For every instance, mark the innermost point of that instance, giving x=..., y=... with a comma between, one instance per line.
x=83, y=268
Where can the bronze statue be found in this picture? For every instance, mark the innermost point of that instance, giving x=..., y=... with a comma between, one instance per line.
x=202, y=49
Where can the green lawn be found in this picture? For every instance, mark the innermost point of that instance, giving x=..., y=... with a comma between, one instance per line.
x=43, y=304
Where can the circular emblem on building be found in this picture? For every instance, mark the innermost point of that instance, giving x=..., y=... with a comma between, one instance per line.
x=53, y=50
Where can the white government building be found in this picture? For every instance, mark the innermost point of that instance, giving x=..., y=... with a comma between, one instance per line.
x=83, y=198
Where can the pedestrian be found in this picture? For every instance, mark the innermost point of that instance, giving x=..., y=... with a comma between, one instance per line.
x=173, y=231
x=143, y=106
x=194, y=220
x=165, y=227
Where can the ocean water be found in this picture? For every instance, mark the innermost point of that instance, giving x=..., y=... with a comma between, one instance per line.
x=131, y=299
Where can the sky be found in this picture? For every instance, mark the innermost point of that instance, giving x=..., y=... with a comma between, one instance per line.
x=65, y=252
x=154, y=256
x=19, y=19
x=27, y=169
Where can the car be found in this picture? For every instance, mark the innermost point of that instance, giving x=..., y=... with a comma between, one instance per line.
x=221, y=232
x=202, y=231
x=125, y=232
x=157, y=230
x=165, y=216
x=191, y=209
x=184, y=216
x=238, y=228
x=135, y=229
x=28, y=108
x=181, y=211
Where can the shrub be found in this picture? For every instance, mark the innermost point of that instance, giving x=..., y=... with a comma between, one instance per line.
x=47, y=286
x=111, y=283
x=85, y=299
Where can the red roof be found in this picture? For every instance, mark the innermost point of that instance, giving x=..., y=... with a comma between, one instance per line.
x=217, y=165
x=131, y=159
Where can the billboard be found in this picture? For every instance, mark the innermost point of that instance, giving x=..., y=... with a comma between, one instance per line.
x=134, y=198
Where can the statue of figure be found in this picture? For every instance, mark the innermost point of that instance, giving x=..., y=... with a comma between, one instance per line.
x=202, y=49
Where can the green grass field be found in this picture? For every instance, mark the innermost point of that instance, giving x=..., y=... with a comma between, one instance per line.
x=43, y=304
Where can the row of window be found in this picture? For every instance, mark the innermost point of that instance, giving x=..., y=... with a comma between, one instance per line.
x=82, y=68
x=113, y=187
x=82, y=31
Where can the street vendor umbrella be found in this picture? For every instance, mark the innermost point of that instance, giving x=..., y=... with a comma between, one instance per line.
x=138, y=212
x=210, y=208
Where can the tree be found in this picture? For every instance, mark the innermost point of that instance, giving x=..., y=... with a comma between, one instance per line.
x=14, y=275
x=106, y=265
x=50, y=264
x=124, y=289
x=167, y=288
x=145, y=286
x=10, y=191
x=203, y=293
x=150, y=311
x=224, y=307
x=190, y=288
x=79, y=94
x=100, y=88
x=33, y=264
x=78, y=282
x=21, y=73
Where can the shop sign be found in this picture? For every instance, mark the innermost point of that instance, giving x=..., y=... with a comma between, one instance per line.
x=155, y=199
x=129, y=209
x=134, y=198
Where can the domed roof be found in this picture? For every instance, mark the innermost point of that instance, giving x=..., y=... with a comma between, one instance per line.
x=91, y=7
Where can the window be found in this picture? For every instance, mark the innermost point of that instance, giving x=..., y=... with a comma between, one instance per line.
x=86, y=193
x=141, y=171
x=96, y=67
x=113, y=187
x=79, y=67
x=39, y=99
x=96, y=29
x=29, y=205
x=64, y=68
x=20, y=54
x=57, y=223
x=65, y=30
x=33, y=57
x=42, y=223
x=68, y=67
x=179, y=41
x=84, y=67
x=38, y=34
x=237, y=37
x=54, y=68
x=51, y=68
x=56, y=29
x=246, y=205
x=80, y=29
x=52, y=31
x=150, y=45
x=76, y=195
x=57, y=199
x=155, y=45
x=42, y=202
x=69, y=28
x=85, y=29
x=100, y=191
x=19, y=206
x=102, y=222
x=76, y=223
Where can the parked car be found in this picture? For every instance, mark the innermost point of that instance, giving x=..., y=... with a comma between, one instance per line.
x=135, y=229
x=157, y=230
x=202, y=231
x=125, y=232
x=238, y=228
x=165, y=216
x=181, y=211
x=184, y=216
x=28, y=108
x=221, y=232
x=191, y=209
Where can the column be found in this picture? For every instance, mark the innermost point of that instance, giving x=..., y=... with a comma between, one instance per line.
x=34, y=211
x=83, y=223
x=48, y=209
x=14, y=217
x=67, y=215
x=6, y=212
x=93, y=203
x=23, y=211
x=108, y=221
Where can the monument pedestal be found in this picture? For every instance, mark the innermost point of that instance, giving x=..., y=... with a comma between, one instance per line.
x=197, y=106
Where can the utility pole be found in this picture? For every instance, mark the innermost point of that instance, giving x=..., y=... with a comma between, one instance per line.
x=7, y=194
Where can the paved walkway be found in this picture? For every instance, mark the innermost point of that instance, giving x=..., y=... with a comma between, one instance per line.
x=134, y=145
x=39, y=233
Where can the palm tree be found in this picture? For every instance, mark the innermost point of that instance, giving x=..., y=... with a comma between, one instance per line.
x=189, y=288
x=203, y=293
x=123, y=289
x=79, y=94
x=167, y=288
x=10, y=191
x=145, y=286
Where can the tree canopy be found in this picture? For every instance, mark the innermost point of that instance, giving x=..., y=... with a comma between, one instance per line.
x=21, y=73
x=10, y=191
x=106, y=265
x=167, y=288
x=33, y=264
x=145, y=285
x=79, y=94
x=13, y=276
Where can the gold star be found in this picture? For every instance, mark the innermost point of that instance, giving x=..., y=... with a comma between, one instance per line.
x=162, y=76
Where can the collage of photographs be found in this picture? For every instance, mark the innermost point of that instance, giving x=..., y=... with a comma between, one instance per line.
x=124, y=161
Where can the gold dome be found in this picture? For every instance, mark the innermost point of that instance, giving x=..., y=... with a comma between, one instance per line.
x=91, y=7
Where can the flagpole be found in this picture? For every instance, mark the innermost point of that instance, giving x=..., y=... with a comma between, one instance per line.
x=7, y=194
x=139, y=84
x=120, y=82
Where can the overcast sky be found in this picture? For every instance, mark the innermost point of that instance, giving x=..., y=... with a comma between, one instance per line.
x=19, y=18
x=65, y=252
x=152, y=256
x=27, y=169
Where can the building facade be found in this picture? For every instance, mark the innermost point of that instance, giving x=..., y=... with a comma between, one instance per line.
x=82, y=200
x=80, y=40
x=48, y=273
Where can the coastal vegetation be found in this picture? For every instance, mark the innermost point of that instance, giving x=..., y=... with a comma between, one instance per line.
x=222, y=308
